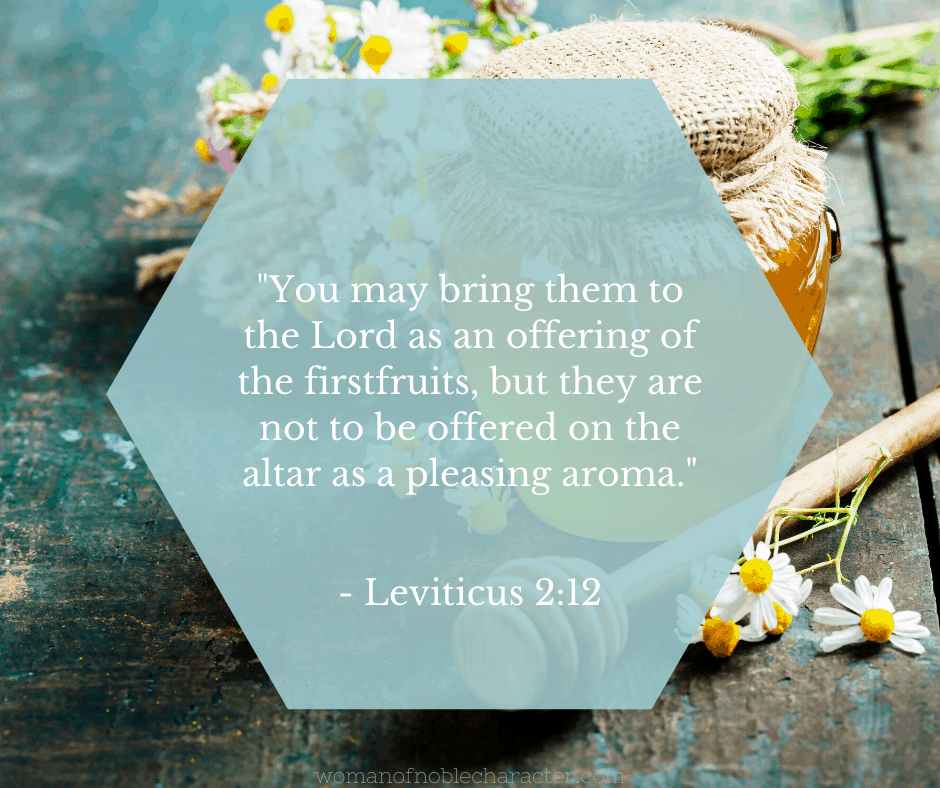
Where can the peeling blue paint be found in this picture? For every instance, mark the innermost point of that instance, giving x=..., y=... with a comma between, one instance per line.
x=872, y=720
x=602, y=761
x=671, y=776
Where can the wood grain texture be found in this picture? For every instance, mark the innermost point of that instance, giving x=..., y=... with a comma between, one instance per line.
x=910, y=147
x=121, y=665
x=781, y=712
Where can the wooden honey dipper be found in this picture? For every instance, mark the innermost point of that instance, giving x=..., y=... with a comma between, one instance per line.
x=530, y=655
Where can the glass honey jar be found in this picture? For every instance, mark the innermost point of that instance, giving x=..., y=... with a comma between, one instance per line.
x=801, y=278
x=734, y=103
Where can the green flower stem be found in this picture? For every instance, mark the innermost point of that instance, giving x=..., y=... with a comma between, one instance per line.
x=352, y=48
x=828, y=517
x=460, y=22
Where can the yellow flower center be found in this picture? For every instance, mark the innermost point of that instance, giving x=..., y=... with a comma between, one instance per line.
x=784, y=619
x=268, y=81
x=517, y=40
x=456, y=44
x=280, y=18
x=202, y=150
x=375, y=51
x=487, y=517
x=401, y=230
x=400, y=480
x=720, y=637
x=400, y=444
x=756, y=575
x=423, y=276
x=332, y=24
x=877, y=625
x=366, y=274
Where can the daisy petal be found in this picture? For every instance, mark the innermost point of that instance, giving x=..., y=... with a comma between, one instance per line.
x=844, y=596
x=883, y=592
x=779, y=562
x=834, y=617
x=906, y=644
x=803, y=592
x=767, y=612
x=844, y=638
x=912, y=631
x=906, y=617
x=739, y=610
x=863, y=589
x=686, y=605
x=730, y=591
x=752, y=634
x=749, y=549
x=762, y=551
x=783, y=596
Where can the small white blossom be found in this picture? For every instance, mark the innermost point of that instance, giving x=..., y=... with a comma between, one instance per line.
x=396, y=42
x=484, y=508
x=873, y=618
x=762, y=584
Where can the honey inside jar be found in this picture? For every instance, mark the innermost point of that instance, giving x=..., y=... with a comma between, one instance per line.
x=801, y=280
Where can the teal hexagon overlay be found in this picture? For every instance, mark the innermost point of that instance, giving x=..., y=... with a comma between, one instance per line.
x=673, y=406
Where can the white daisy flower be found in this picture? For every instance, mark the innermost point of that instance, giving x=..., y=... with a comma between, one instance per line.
x=412, y=219
x=396, y=42
x=478, y=51
x=345, y=23
x=484, y=508
x=397, y=262
x=696, y=602
x=762, y=584
x=873, y=618
x=722, y=635
x=689, y=619
x=472, y=51
x=537, y=29
x=399, y=455
x=306, y=35
x=799, y=592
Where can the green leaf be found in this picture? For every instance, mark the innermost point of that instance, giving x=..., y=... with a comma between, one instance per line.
x=230, y=86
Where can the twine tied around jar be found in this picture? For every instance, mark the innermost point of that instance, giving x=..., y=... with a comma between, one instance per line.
x=730, y=95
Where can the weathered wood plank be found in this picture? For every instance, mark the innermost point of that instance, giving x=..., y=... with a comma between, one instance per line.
x=780, y=711
x=910, y=157
x=120, y=664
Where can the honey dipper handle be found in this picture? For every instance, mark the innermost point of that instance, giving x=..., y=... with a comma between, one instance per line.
x=811, y=487
x=814, y=485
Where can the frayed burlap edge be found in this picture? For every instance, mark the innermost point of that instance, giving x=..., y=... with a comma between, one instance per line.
x=775, y=196
x=475, y=214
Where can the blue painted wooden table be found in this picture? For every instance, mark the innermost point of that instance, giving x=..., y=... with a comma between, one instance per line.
x=120, y=664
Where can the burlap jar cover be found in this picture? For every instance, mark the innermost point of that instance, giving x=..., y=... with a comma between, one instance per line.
x=732, y=97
